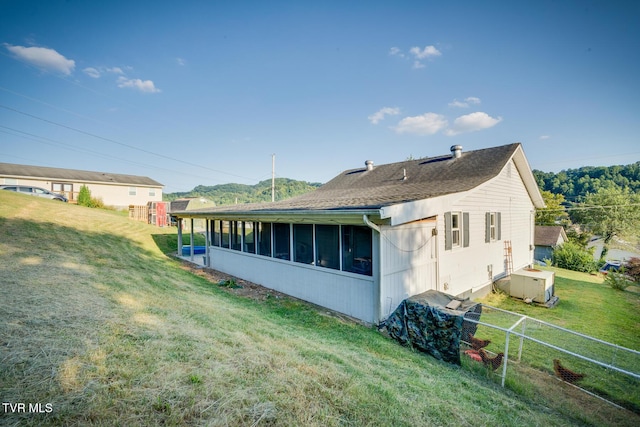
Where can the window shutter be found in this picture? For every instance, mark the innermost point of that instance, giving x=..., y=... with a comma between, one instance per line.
x=487, y=227
x=498, y=226
x=447, y=230
x=465, y=229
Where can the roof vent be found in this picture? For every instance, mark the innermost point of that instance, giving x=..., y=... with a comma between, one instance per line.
x=456, y=151
x=369, y=164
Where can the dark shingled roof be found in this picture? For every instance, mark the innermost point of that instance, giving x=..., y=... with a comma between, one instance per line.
x=360, y=189
x=74, y=175
x=548, y=235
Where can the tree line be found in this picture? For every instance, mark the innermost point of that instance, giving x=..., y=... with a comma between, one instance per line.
x=590, y=201
x=575, y=184
x=227, y=194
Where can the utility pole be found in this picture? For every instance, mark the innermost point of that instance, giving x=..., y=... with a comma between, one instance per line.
x=273, y=177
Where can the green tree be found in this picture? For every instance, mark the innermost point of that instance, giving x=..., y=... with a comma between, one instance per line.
x=572, y=257
x=84, y=196
x=554, y=213
x=609, y=212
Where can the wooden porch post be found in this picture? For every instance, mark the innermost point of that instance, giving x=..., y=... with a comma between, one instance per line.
x=192, y=240
x=179, y=236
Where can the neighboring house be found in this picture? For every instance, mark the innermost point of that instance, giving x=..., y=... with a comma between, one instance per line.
x=191, y=203
x=373, y=236
x=546, y=239
x=115, y=190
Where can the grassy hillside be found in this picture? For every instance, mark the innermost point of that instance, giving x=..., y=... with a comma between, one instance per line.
x=97, y=322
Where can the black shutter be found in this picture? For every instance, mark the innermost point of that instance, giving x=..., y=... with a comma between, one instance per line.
x=498, y=226
x=487, y=230
x=465, y=229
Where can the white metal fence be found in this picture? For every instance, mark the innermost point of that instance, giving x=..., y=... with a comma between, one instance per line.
x=605, y=370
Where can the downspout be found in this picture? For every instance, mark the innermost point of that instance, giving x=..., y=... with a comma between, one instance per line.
x=377, y=294
x=434, y=233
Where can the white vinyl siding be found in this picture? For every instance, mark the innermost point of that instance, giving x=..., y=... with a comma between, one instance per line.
x=408, y=262
x=480, y=264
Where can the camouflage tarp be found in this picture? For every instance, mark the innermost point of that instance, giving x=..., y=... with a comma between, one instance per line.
x=423, y=322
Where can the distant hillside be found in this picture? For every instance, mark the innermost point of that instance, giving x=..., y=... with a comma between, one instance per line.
x=575, y=183
x=226, y=194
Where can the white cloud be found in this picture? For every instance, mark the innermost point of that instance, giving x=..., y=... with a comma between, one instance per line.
x=380, y=114
x=426, y=124
x=426, y=53
x=396, y=52
x=44, y=58
x=142, y=86
x=92, y=72
x=472, y=122
x=418, y=64
x=544, y=137
x=99, y=71
x=464, y=104
x=181, y=62
x=115, y=70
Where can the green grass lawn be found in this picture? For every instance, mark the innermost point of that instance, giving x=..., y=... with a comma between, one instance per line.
x=98, y=322
x=586, y=305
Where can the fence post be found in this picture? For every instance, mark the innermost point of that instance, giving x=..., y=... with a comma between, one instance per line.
x=524, y=327
x=506, y=358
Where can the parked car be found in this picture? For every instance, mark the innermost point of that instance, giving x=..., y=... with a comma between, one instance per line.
x=610, y=266
x=34, y=191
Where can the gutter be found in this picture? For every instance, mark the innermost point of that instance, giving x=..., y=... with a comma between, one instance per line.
x=377, y=284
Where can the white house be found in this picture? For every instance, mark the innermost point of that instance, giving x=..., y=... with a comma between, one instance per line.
x=373, y=236
x=115, y=190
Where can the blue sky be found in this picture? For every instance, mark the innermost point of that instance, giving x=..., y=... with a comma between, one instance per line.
x=203, y=92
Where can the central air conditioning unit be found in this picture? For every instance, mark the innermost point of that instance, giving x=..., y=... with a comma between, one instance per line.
x=532, y=284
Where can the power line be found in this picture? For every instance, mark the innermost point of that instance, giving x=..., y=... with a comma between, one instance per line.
x=70, y=147
x=588, y=207
x=122, y=143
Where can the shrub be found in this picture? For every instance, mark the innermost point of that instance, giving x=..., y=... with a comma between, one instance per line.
x=572, y=257
x=632, y=268
x=84, y=197
x=618, y=280
x=97, y=203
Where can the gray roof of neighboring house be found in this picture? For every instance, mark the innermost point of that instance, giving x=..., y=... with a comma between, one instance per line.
x=26, y=171
x=384, y=185
x=549, y=235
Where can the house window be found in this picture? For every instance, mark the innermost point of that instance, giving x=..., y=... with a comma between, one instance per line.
x=236, y=235
x=356, y=249
x=492, y=221
x=224, y=234
x=152, y=192
x=328, y=246
x=282, y=243
x=133, y=191
x=303, y=243
x=248, y=237
x=263, y=233
x=65, y=189
x=456, y=230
